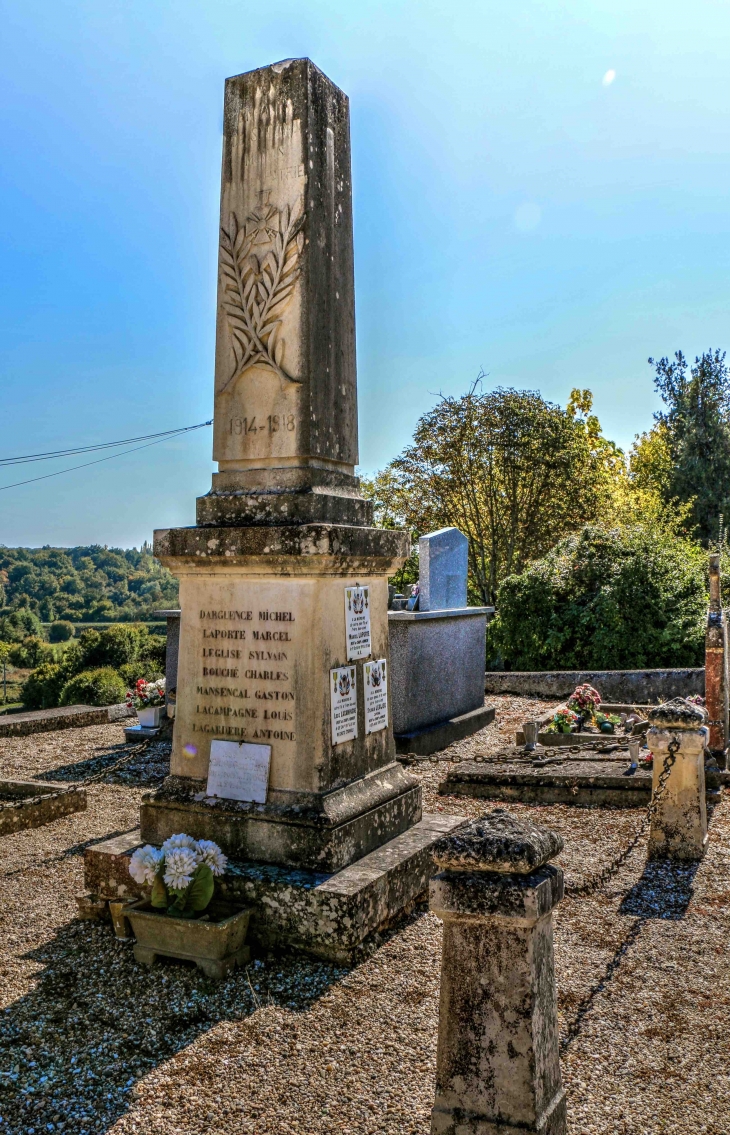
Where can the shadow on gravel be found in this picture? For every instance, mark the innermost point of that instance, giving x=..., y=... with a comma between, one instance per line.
x=67, y=853
x=73, y=1048
x=143, y=769
x=586, y=1004
x=663, y=891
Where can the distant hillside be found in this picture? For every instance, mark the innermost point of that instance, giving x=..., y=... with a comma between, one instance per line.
x=93, y=584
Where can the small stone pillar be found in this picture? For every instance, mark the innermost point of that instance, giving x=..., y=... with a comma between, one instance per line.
x=716, y=684
x=679, y=822
x=498, y=1068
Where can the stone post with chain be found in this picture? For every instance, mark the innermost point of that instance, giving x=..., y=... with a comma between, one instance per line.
x=677, y=739
x=498, y=1068
x=716, y=665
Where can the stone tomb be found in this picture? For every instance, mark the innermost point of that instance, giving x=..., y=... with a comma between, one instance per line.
x=438, y=653
x=283, y=582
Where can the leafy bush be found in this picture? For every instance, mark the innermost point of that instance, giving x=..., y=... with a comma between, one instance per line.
x=17, y=625
x=128, y=651
x=111, y=647
x=94, y=687
x=131, y=671
x=60, y=631
x=42, y=689
x=31, y=652
x=627, y=598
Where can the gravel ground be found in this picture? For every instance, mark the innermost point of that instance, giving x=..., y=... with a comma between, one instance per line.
x=91, y=1042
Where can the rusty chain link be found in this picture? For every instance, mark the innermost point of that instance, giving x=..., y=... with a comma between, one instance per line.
x=593, y=882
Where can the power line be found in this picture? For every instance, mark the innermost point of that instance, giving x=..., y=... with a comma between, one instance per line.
x=99, y=460
x=52, y=453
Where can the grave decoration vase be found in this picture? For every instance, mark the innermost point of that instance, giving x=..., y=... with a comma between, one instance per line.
x=216, y=942
x=151, y=716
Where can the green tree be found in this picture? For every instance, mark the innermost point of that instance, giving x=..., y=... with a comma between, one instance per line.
x=513, y=472
x=696, y=427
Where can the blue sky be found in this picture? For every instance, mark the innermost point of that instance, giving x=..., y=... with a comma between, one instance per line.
x=515, y=211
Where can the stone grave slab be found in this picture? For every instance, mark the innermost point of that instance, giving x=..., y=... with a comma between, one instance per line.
x=32, y=803
x=64, y=717
x=582, y=776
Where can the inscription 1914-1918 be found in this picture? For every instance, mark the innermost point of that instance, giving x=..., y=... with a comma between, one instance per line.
x=256, y=699
x=271, y=424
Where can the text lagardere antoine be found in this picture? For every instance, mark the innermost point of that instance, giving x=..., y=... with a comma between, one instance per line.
x=245, y=689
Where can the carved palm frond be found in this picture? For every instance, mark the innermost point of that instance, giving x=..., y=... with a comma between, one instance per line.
x=260, y=263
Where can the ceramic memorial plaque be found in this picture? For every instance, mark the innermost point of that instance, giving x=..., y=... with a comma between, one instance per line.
x=343, y=700
x=357, y=622
x=239, y=771
x=376, y=696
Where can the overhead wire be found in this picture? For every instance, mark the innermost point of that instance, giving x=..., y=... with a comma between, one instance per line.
x=98, y=461
x=48, y=455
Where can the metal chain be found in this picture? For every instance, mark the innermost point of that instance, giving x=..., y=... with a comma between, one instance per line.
x=143, y=745
x=593, y=882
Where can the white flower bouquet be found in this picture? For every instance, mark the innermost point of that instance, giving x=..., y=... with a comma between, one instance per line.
x=146, y=695
x=180, y=873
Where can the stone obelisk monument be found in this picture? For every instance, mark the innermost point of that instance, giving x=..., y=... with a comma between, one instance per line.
x=283, y=749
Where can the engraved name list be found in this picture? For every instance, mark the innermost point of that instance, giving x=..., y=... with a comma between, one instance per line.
x=245, y=684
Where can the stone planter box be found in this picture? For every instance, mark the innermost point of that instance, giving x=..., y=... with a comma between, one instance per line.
x=215, y=946
x=32, y=803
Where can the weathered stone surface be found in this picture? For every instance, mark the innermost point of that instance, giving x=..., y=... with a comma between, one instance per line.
x=498, y=1067
x=321, y=831
x=498, y=842
x=172, y=649
x=437, y=665
x=642, y=687
x=327, y=915
x=679, y=823
x=65, y=717
x=32, y=803
x=106, y=867
x=285, y=384
x=433, y=738
x=336, y=548
x=677, y=714
x=443, y=564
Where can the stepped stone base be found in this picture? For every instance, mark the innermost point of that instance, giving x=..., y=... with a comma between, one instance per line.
x=321, y=832
x=327, y=915
x=434, y=738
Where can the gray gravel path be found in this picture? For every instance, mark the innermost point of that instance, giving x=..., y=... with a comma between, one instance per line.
x=90, y=1042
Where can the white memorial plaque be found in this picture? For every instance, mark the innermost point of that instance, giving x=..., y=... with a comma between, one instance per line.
x=357, y=622
x=239, y=771
x=343, y=700
x=376, y=696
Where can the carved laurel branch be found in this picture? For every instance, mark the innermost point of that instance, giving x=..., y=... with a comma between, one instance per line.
x=260, y=264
